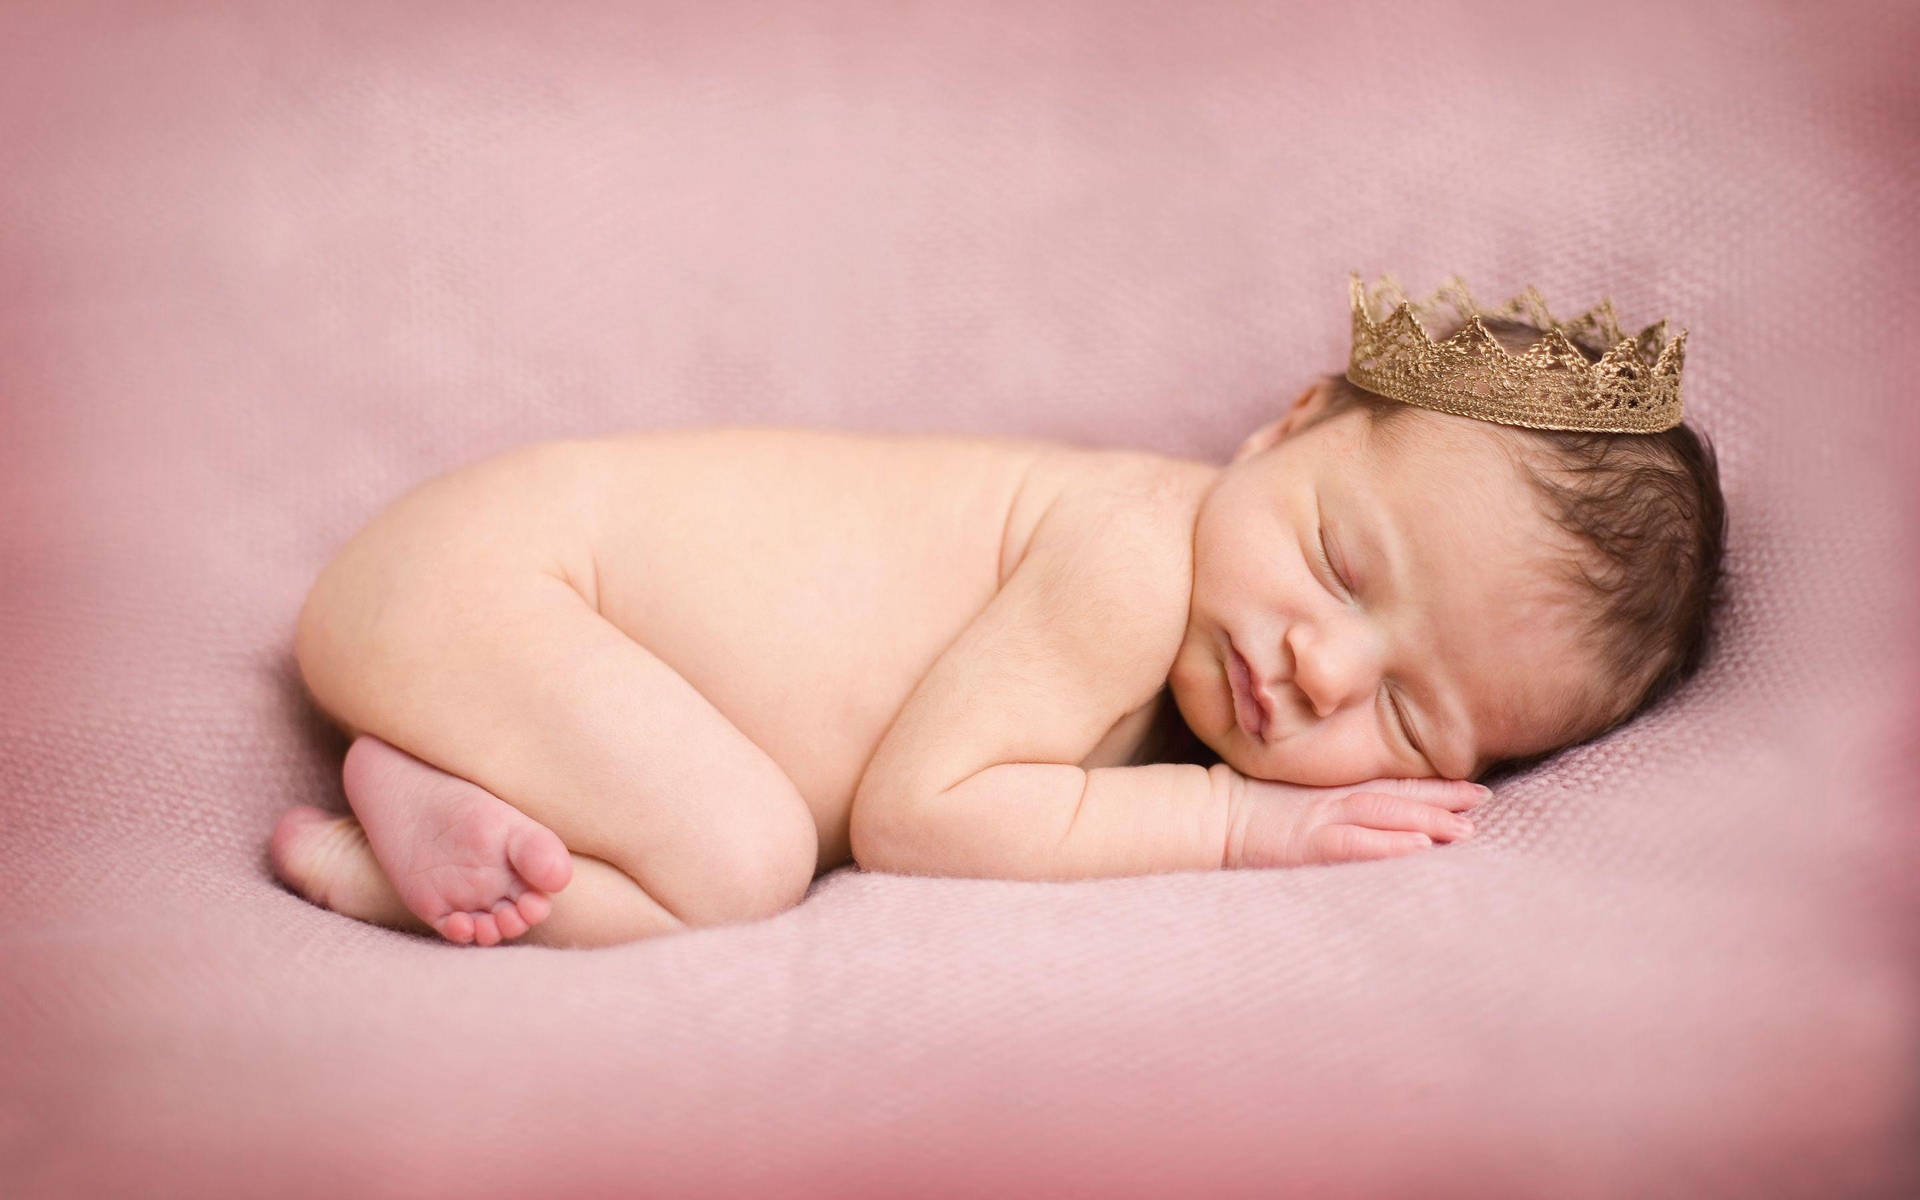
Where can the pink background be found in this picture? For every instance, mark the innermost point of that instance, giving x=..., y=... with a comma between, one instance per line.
x=264, y=266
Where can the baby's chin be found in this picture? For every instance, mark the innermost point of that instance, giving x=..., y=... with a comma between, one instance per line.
x=1312, y=778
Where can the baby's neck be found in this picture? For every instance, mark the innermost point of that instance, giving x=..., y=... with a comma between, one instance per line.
x=1167, y=738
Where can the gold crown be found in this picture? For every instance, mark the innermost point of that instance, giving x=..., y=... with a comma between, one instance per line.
x=1634, y=388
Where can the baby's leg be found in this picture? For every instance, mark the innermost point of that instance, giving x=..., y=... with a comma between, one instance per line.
x=326, y=858
x=515, y=683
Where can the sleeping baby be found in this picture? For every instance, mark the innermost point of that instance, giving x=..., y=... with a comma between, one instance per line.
x=597, y=690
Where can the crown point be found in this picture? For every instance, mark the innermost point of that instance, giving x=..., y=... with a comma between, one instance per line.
x=1475, y=338
x=1673, y=358
x=1556, y=352
x=1607, y=320
x=1454, y=291
x=1624, y=359
x=1402, y=319
x=1532, y=306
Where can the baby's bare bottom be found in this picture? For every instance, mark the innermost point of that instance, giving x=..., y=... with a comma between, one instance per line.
x=674, y=817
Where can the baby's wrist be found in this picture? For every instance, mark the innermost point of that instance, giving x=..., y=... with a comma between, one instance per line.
x=1228, y=801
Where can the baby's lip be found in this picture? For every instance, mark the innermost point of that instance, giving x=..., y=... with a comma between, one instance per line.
x=1264, y=698
x=1260, y=695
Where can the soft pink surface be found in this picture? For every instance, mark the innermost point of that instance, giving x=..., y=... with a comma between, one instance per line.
x=265, y=266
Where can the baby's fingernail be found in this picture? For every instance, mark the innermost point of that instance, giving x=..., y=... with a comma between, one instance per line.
x=1461, y=827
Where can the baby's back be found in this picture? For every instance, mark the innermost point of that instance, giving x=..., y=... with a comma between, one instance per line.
x=803, y=581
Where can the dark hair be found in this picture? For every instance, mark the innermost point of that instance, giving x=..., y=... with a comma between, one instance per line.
x=1648, y=509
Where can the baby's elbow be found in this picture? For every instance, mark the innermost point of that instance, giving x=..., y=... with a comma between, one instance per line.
x=880, y=830
x=867, y=836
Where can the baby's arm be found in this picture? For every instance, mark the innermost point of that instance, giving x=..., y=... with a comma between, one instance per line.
x=976, y=775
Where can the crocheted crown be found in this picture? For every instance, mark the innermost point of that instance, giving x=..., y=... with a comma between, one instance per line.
x=1633, y=388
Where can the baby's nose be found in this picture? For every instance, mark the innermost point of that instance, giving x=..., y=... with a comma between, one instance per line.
x=1332, y=672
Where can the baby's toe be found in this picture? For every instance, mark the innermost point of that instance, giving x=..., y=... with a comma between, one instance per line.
x=533, y=907
x=540, y=857
x=485, y=932
x=456, y=927
x=508, y=919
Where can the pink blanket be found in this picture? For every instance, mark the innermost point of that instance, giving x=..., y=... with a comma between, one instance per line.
x=264, y=266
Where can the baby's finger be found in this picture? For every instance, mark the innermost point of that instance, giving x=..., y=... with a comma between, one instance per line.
x=1378, y=811
x=1351, y=843
x=1455, y=795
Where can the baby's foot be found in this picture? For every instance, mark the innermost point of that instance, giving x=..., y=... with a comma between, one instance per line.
x=326, y=859
x=466, y=862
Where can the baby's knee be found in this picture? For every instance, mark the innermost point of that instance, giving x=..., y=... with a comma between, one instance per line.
x=756, y=868
x=774, y=875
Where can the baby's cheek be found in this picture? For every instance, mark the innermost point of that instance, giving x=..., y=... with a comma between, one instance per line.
x=1333, y=752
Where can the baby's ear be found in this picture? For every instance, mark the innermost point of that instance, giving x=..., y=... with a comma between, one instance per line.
x=1261, y=438
x=1308, y=405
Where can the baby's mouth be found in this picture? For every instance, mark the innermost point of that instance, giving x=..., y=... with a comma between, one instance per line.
x=1246, y=702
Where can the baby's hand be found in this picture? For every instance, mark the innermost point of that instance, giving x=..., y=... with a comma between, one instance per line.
x=1288, y=825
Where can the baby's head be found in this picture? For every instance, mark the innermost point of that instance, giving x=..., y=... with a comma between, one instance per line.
x=1418, y=593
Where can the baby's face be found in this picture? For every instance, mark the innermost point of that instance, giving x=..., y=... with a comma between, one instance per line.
x=1427, y=641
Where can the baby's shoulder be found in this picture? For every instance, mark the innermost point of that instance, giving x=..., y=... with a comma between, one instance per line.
x=1125, y=516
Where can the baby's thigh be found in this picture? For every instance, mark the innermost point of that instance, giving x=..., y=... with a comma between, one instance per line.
x=512, y=680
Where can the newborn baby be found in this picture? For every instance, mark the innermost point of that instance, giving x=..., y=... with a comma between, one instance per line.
x=603, y=689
